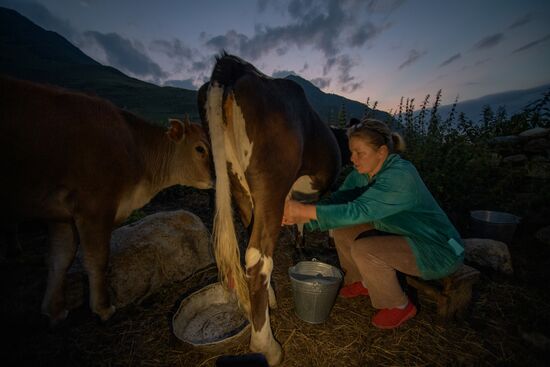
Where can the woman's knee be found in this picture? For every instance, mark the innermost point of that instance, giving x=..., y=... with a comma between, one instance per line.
x=362, y=248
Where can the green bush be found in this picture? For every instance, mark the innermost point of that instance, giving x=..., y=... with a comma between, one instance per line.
x=455, y=159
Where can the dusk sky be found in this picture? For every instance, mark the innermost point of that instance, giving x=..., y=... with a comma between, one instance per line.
x=379, y=49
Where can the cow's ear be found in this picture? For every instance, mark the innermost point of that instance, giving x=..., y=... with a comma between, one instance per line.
x=176, y=131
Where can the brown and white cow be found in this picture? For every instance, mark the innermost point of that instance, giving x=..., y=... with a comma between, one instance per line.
x=267, y=143
x=83, y=165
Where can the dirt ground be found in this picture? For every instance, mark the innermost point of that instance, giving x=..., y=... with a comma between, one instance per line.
x=508, y=323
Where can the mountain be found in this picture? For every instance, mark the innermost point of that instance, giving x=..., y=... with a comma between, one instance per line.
x=514, y=101
x=27, y=51
x=328, y=104
x=30, y=52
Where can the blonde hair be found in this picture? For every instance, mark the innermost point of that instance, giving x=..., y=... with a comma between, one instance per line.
x=377, y=133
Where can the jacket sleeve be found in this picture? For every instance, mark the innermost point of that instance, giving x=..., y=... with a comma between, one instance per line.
x=346, y=192
x=394, y=192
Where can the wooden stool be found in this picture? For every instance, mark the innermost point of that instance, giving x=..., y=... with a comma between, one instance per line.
x=453, y=293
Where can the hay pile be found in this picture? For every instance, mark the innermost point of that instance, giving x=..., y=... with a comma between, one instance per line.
x=508, y=324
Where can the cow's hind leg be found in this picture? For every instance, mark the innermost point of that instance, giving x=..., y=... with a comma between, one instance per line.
x=60, y=257
x=259, y=266
x=95, y=239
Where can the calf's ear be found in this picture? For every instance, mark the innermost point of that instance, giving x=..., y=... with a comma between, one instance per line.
x=176, y=131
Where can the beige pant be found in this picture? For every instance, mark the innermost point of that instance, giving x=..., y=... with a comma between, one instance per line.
x=374, y=261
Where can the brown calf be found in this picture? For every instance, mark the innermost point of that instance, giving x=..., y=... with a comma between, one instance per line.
x=83, y=165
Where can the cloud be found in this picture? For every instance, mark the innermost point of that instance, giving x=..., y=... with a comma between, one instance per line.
x=350, y=88
x=481, y=62
x=40, y=15
x=124, y=55
x=532, y=44
x=231, y=41
x=366, y=32
x=414, y=56
x=450, y=60
x=521, y=21
x=262, y=5
x=343, y=64
x=384, y=6
x=185, y=84
x=489, y=41
x=202, y=65
x=173, y=49
x=477, y=63
x=321, y=83
x=327, y=26
x=282, y=73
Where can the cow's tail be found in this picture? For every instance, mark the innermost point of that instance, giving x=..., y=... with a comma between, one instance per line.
x=224, y=236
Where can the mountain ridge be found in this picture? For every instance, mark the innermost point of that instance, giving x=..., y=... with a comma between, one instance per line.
x=30, y=52
x=513, y=100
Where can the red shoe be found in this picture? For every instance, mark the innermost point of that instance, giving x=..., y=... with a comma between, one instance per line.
x=353, y=290
x=390, y=318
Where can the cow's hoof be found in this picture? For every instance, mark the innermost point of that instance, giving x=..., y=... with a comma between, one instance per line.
x=58, y=319
x=275, y=358
x=274, y=355
x=106, y=313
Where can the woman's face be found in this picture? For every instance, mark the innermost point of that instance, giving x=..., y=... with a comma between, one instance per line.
x=365, y=157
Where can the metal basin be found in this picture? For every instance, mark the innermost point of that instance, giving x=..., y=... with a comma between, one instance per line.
x=499, y=226
x=211, y=320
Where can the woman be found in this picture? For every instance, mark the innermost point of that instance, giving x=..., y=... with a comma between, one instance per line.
x=384, y=220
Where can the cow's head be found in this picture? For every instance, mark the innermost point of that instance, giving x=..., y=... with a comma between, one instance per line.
x=192, y=160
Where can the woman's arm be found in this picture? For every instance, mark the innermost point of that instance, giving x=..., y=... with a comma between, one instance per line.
x=296, y=212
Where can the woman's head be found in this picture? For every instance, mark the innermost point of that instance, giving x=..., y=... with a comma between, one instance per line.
x=370, y=143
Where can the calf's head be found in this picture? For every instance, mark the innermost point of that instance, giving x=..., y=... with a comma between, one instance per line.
x=192, y=161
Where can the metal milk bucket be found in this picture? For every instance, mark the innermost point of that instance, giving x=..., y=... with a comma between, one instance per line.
x=491, y=224
x=314, y=289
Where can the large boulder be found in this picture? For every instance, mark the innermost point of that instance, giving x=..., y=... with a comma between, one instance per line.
x=146, y=255
x=488, y=253
x=536, y=132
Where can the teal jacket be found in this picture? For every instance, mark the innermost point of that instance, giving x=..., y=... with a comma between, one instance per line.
x=396, y=201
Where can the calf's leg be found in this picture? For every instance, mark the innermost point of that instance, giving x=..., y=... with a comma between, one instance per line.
x=60, y=257
x=95, y=236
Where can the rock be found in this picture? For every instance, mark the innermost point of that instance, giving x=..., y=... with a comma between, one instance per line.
x=488, y=253
x=537, y=132
x=539, y=145
x=543, y=235
x=159, y=249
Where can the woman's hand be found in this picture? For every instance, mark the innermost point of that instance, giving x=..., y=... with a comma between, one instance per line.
x=297, y=213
